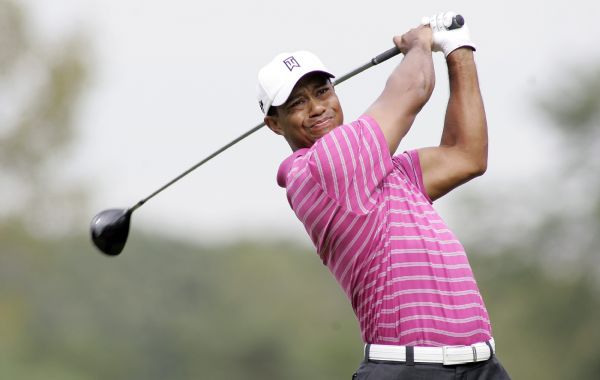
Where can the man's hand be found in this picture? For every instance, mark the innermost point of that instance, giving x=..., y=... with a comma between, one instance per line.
x=420, y=37
x=444, y=39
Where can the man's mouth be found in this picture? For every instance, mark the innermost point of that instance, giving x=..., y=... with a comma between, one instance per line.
x=322, y=123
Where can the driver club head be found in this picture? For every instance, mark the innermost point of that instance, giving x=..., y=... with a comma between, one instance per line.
x=109, y=230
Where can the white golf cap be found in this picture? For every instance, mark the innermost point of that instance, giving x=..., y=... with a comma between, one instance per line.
x=277, y=79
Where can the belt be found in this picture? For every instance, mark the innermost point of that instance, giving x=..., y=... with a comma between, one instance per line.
x=447, y=355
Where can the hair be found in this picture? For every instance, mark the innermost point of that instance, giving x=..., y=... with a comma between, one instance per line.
x=272, y=111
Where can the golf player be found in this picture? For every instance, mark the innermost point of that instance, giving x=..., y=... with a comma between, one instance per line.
x=369, y=211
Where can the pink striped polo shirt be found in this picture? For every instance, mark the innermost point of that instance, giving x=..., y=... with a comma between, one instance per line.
x=368, y=215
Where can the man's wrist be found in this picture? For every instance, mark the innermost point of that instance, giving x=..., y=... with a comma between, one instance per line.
x=421, y=46
x=460, y=55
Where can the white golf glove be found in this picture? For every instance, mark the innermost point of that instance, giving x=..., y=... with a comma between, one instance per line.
x=444, y=39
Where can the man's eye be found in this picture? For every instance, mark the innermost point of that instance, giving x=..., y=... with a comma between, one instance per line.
x=322, y=91
x=296, y=103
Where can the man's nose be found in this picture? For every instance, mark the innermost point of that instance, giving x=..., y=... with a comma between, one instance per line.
x=316, y=107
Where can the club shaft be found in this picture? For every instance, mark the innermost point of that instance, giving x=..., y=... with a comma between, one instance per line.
x=457, y=22
x=374, y=61
x=191, y=169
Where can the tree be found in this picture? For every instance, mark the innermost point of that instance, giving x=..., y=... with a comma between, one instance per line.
x=40, y=85
x=574, y=112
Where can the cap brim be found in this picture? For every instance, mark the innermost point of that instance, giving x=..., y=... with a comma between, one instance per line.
x=284, y=93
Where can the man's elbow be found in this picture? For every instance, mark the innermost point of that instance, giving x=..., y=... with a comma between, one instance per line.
x=475, y=158
x=480, y=170
x=474, y=162
x=478, y=166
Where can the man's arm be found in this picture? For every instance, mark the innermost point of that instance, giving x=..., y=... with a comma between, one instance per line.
x=407, y=89
x=462, y=154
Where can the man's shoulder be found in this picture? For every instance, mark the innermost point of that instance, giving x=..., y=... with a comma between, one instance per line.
x=286, y=166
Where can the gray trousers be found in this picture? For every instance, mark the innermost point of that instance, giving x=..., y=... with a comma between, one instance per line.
x=490, y=369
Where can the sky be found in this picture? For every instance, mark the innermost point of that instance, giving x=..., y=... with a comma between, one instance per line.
x=171, y=82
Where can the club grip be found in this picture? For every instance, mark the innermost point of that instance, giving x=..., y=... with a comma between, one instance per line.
x=385, y=55
x=457, y=22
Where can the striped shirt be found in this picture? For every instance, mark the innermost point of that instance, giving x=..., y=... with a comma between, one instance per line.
x=368, y=215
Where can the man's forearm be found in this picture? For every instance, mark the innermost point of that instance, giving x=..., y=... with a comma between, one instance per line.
x=406, y=91
x=414, y=78
x=465, y=126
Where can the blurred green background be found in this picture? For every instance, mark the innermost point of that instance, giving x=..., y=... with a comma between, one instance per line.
x=268, y=309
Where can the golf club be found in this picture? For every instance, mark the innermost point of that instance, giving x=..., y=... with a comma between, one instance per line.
x=110, y=228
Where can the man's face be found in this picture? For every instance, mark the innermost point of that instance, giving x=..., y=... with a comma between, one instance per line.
x=312, y=110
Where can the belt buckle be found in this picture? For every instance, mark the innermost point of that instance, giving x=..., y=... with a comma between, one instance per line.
x=452, y=358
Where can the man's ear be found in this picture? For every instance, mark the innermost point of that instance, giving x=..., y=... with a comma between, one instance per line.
x=273, y=124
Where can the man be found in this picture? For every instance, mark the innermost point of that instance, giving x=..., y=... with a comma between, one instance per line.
x=369, y=212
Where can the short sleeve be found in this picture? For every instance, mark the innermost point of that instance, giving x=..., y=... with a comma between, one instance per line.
x=350, y=163
x=409, y=165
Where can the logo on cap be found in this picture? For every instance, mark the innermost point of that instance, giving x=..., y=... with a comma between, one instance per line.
x=291, y=62
x=262, y=105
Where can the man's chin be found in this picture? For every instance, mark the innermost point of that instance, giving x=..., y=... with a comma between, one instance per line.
x=321, y=133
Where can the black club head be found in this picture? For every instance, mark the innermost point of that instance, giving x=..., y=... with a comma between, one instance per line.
x=109, y=230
